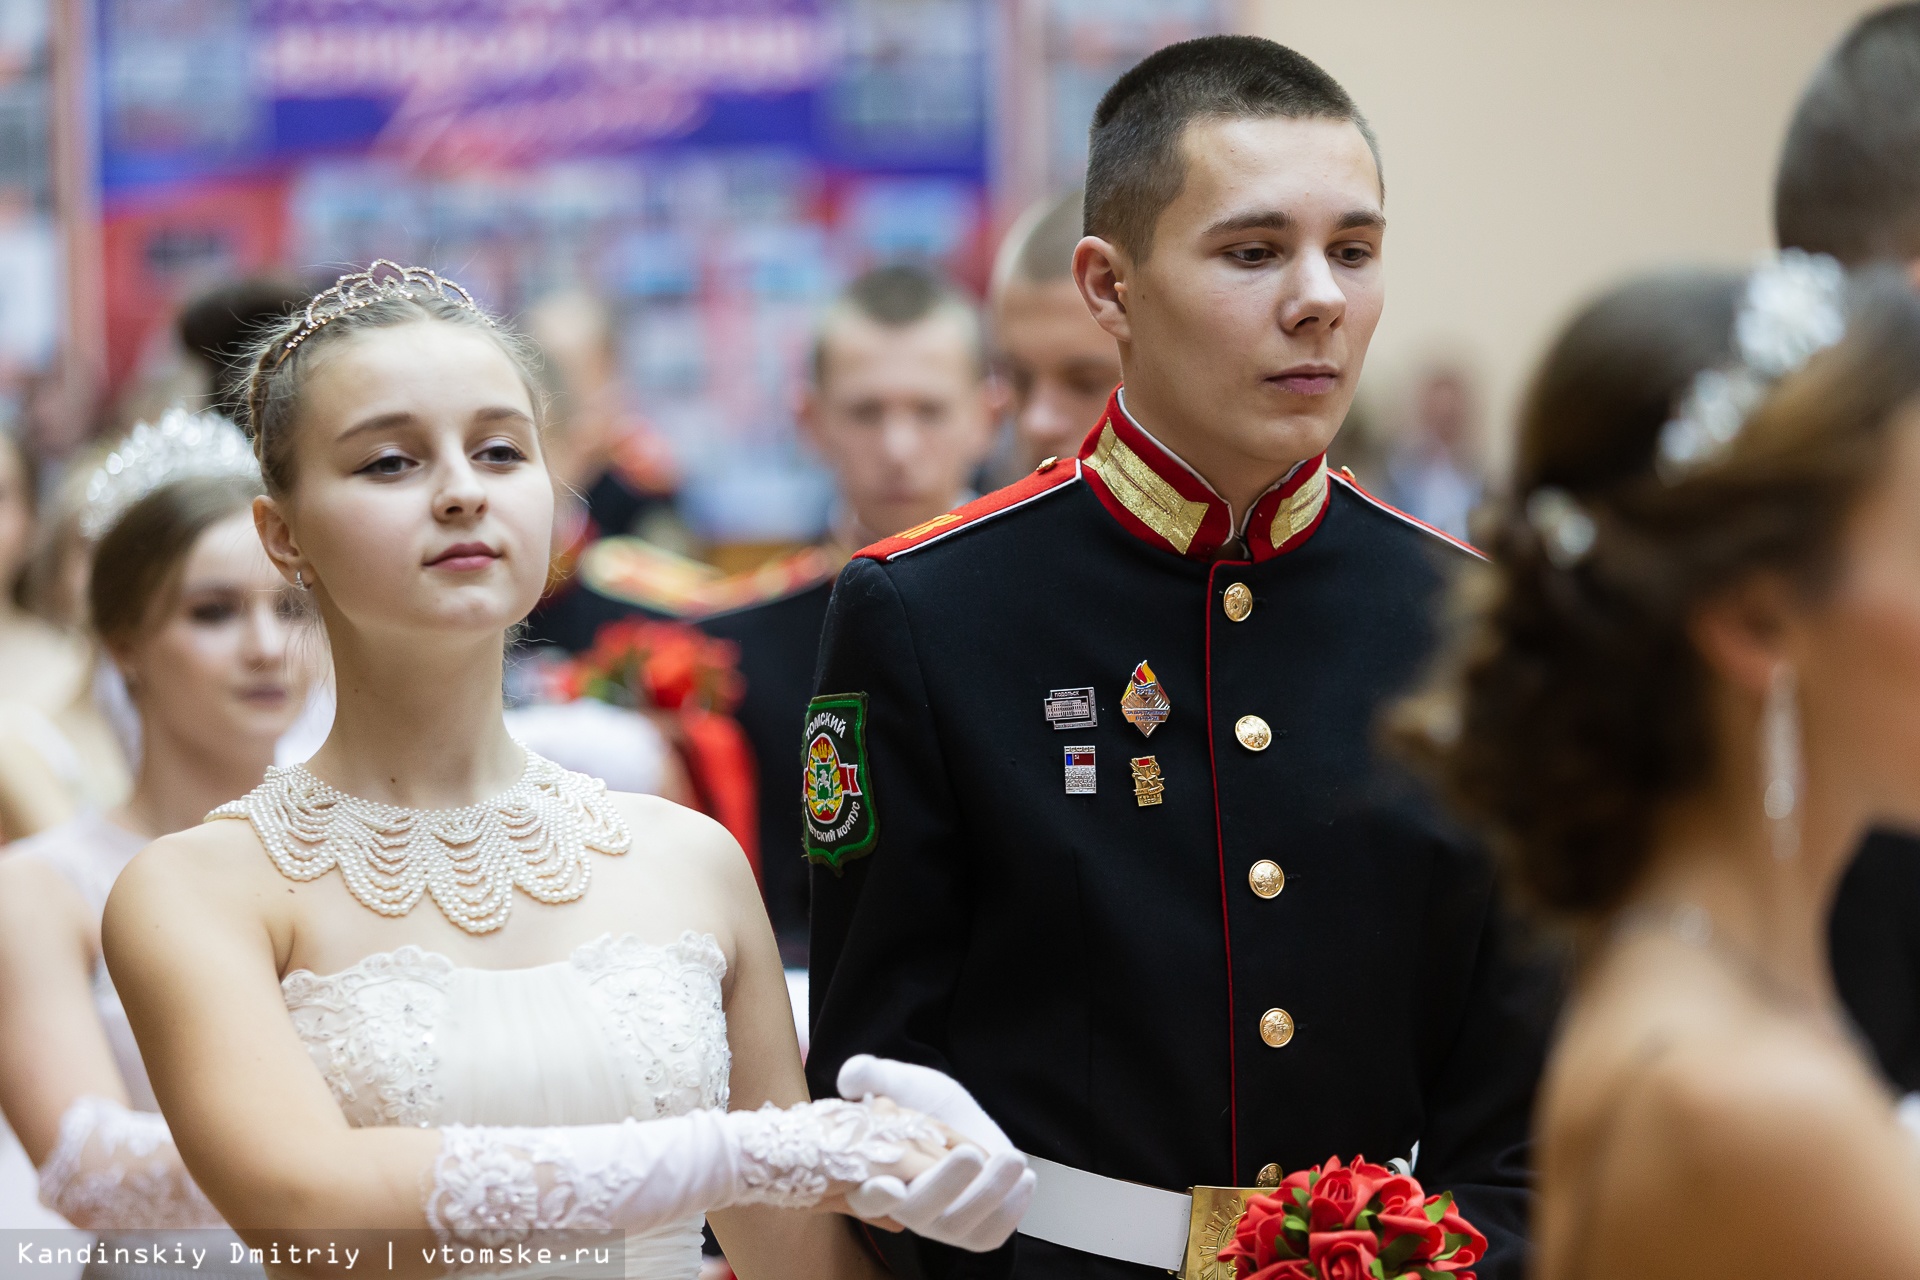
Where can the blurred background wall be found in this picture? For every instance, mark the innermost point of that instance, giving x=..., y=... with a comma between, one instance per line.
x=1538, y=149
x=709, y=171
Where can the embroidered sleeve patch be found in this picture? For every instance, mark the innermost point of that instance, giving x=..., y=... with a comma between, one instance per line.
x=840, y=821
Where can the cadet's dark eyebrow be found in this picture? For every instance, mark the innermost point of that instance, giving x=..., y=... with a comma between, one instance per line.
x=1281, y=220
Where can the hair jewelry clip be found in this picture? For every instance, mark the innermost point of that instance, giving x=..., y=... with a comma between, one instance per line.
x=180, y=446
x=1793, y=308
x=1566, y=530
x=381, y=281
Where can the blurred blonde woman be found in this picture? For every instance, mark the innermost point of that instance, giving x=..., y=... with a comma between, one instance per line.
x=189, y=610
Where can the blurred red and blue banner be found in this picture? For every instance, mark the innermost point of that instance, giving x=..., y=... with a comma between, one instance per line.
x=713, y=169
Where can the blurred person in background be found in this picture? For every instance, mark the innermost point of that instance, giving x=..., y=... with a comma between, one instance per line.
x=215, y=327
x=41, y=665
x=900, y=409
x=74, y=757
x=613, y=474
x=1693, y=680
x=1433, y=472
x=1058, y=363
x=1849, y=185
x=188, y=608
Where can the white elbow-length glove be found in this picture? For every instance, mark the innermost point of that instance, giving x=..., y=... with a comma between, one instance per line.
x=494, y=1186
x=976, y=1209
x=115, y=1169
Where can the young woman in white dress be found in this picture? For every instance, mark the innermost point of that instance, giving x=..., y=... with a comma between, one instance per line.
x=1696, y=684
x=187, y=605
x=421, y=981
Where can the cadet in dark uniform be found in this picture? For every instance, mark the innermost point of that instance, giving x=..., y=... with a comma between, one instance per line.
x=1091, y=780
x=1849, y=186
x=900, y=410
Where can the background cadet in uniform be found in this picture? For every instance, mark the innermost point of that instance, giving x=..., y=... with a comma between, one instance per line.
x=900, y=409
x=1059, y=365
x=1173, y=921
x=1849, y=185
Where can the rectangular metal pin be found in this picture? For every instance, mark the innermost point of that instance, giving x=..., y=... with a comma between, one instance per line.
x=1148, y=786
x=1071, y=709
x=1080, y=775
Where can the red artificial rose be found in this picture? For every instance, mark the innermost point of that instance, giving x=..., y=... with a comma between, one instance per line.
x=1339, y=1196
x=1290, y=1269
x=1255, y=1235
x=1467, y=1254
x=1400, y=1194
x=1392, y=1226
x=1342, y=1255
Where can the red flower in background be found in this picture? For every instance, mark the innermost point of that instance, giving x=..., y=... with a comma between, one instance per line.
x=1352, y=1222
x=688, y=684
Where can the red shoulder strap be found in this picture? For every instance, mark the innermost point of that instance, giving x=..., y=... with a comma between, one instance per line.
x=1044, y=479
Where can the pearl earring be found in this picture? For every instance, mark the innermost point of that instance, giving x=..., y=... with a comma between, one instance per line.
x=1780, y=756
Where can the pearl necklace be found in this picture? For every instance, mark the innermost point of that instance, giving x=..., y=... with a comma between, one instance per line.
x=534, y=836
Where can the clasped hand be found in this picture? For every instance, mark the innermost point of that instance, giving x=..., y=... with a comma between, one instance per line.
x=970, y=1193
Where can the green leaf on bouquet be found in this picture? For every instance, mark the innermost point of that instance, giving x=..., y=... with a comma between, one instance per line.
x=1396, y=1255
x=1438, y=1209
x=1453, y=1242
x=1375, y=1270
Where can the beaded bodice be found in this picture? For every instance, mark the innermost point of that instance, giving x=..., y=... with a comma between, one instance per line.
x=621, y=1028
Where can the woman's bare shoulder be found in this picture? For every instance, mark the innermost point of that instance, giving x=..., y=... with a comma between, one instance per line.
x=659, y=828
x=221, y=859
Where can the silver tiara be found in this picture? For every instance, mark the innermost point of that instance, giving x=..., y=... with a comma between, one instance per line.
x=180, y=446
x=383, y=279
x=1793, y=308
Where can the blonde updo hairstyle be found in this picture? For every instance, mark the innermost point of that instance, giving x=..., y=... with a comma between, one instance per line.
x=1576, y=705
x=275, y=377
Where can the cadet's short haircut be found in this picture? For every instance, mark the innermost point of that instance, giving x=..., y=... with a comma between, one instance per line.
x=897, y=297
x=1039, y=246
x=1134, y=165
x=1849, y=181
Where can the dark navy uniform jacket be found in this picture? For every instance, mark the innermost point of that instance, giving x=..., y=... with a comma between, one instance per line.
x=1875, y=944
x=1103, y=975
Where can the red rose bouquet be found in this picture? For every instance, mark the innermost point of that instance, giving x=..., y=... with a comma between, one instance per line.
x=1357, y=1222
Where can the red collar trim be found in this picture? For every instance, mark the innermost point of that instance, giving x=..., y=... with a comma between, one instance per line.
x=1160, y=500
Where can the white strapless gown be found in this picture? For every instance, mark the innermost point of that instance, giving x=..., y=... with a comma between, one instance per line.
x=622, y=1028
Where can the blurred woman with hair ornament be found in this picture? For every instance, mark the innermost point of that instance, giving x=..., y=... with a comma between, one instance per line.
x=189, y=610
x=1691, y=682
x=554, y=1040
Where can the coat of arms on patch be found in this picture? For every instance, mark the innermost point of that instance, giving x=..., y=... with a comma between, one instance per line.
x=840, y=823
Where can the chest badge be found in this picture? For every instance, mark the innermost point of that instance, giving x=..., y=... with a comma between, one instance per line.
x=1148, y=786
x=1145, y=703
x=1080, y=773
x=1071, y=709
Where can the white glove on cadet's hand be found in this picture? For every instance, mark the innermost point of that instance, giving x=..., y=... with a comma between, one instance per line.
x=971, y=1199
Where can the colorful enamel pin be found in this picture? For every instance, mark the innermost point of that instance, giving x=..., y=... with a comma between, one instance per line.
x=1145, y=703
x=1148, y=786
x=1080, y=776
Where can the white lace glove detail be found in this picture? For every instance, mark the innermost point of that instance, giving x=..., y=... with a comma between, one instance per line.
x=968, y=1200
x=116, y=1169
x=492, y=1186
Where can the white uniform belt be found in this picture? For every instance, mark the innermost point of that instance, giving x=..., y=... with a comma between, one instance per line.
x=1108, y=1216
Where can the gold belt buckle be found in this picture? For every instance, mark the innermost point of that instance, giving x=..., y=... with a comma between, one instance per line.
x=1216, y=1215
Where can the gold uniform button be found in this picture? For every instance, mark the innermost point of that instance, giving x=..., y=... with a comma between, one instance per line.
x=1269, y=1176
x=1266, y=878
x=1253, y=732
x=1276, y=1028
x=1238, y=602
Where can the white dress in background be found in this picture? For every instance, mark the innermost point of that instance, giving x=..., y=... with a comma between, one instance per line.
x=625, y=1027
x=88, y=852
